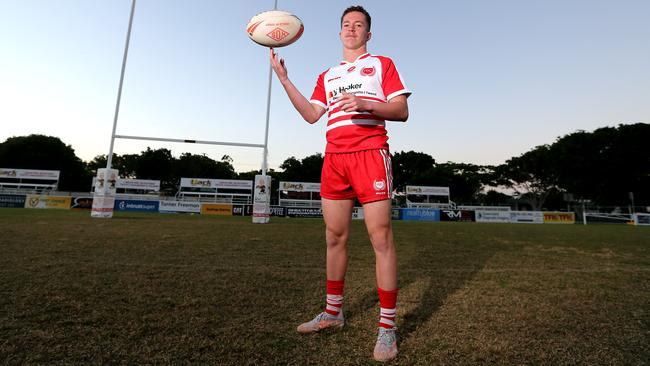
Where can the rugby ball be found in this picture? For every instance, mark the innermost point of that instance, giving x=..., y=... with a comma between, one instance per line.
x=274, y=28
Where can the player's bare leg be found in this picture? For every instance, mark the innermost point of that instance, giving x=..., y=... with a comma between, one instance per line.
x=337, y=215
x=378, y=222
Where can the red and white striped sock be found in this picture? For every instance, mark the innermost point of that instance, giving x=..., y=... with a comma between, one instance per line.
x=387, y=308
x=334, y=301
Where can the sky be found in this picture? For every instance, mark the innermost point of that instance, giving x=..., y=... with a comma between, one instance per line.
x=490, y=79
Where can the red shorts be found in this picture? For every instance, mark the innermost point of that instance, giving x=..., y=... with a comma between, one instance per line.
x=366, y=175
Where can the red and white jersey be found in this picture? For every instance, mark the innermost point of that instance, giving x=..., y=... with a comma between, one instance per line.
x=369, y=77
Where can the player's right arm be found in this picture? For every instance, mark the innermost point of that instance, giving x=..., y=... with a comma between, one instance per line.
x=310, y=112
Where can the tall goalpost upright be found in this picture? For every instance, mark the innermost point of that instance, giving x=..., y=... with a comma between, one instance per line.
x=105, y=186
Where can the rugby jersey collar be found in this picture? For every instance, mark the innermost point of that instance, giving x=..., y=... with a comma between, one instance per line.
x=367, y=54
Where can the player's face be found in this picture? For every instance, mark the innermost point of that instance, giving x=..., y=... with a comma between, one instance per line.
x=354, y=30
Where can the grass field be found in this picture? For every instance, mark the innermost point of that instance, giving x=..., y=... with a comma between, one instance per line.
x=177, y=289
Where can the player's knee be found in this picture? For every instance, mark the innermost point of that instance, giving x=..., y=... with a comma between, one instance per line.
x=382, y=242
x=336, y=237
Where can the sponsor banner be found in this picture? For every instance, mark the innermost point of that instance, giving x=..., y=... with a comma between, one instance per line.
x=29, y=174
x=457, y=215
x=278, y=211
x=485, y=208
x=304, y=212
x=396, y=214
x=420, y=214
x=219, y=209
x=262, y=199
x=179, y=206
x=357, y=213
x=82, y=202
x=531, y=217
x=243, y=210
x=143, y=184
x=641, y=219
x=492, y=216
x=136, y=205
x=102, y=206
x=428, y=191
x=35, y=201
x=216, y=183
x=105, y=182
x=12, y=200
x=559, y=218
x=300, y=186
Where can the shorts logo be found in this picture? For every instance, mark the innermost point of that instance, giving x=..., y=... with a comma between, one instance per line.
x=379, y=185
x=368, y=71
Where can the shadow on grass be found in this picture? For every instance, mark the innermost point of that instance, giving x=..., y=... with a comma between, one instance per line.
x=443, y=269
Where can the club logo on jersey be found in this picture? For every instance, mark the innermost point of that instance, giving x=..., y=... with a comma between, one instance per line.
x=368, y=71
x=380, y=185
x=352, y=69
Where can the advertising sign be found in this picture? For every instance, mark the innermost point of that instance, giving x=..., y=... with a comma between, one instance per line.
x=278, y=211
x=357, y=213
x=395, y=214
x=304, y=212
x=82, y=202
x=104, y=194
x=11, y=200
x=242, y=210
x=531, y=217
x=142, y=184
x=641, y=219
x=429, y=191
x=216, y=183
x=457, y=215
x=136, y=205
x=300, y=187
x=420, y=214
x=219, y=209
x=492, y=216
x=559, y=218
x=29, y=174
x=262, y=199
x=35, y=201
x=179, y=206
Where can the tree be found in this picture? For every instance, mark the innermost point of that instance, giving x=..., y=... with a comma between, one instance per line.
x=125, y=164
x=411, y=168
x=531, y=175
x=306, y=170
x=46, y=153
x=156, y=165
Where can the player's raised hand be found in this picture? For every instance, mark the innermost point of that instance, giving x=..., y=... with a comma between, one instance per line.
x=278, y=66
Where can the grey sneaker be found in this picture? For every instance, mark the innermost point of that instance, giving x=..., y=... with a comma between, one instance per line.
x=386, y=346
x=322, y=321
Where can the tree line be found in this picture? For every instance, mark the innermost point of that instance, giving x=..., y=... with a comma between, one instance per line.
x=608, y=167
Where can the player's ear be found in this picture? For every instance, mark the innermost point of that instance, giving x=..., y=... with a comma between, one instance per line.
x=369, y=36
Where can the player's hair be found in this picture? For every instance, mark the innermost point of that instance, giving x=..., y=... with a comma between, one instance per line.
x=361, y=10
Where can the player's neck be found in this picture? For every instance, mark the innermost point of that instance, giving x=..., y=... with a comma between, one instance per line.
x=350, y=55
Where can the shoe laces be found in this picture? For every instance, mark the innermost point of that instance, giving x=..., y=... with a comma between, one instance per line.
x=386, y=336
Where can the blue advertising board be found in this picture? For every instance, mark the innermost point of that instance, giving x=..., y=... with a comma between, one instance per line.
x=136, y=205
x=12, y=200
x=420, y=214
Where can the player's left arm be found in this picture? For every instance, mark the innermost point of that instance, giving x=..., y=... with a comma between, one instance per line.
x=396, y=109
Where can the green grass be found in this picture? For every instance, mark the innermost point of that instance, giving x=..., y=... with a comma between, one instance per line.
x=178, y=289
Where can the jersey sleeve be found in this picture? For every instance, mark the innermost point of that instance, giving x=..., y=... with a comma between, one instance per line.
x=319, y=97
x=392, y=82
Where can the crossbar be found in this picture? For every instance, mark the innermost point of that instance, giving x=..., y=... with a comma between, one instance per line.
x=189, y=141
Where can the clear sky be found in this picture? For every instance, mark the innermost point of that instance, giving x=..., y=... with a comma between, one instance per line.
x=490, y=79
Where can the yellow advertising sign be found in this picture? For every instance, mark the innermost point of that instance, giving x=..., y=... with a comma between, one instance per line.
x=216, y=209
x=559, y=218
x=58, y=202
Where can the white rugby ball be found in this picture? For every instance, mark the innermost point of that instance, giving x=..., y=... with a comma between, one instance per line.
x=274, y=28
